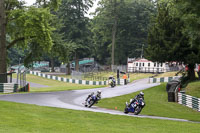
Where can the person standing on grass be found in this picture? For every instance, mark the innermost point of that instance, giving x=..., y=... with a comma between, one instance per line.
x=125, y=78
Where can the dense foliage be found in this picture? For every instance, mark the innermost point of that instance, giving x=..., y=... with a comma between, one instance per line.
x=119, y=29
x=131, y=31
x=174, y=34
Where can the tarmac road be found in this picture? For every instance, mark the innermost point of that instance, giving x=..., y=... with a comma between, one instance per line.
x=74, y=99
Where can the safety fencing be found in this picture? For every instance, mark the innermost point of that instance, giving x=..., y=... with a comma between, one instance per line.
x=8, y=87
x=76, y=81
x=189, y=101
x=162, y=79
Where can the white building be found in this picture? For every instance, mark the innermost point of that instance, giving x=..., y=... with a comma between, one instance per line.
x=144, y=65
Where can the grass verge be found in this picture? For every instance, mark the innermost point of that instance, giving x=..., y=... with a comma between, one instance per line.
x=21, y=118
x=156, y=104
x=193, y=89
x=56, y=85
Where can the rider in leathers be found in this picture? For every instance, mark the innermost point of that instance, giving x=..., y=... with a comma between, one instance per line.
x=98, y=96
x=141, y=95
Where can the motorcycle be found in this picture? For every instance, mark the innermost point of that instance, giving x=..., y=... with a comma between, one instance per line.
x=112, y=83
x=91, y=101
x=135, y=107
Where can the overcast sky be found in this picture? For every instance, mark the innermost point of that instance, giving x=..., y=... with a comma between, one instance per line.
x=30, y=2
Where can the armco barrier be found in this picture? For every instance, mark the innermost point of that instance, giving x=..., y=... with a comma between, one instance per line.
x=189, y=101
x=8, y=87
x=163, y=79
x=75, y=81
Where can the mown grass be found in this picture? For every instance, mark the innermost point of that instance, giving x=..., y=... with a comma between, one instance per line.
x=56, y=85
x=167, y=74
x=157, y=104
x=193, y=89
x=136, y=76
x=61, y=86
x=24, y=118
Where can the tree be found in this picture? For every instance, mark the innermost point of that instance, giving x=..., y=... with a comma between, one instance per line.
x=133, y=18
x=27, y=27
x=3, y=63
x=170, y=37
x=75, y=26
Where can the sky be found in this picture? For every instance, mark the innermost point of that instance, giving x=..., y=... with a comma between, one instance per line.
x=30, y=2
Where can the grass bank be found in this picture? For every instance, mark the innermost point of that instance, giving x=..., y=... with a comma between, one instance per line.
x=23, y=118
x=156, y=104
x=54, y=85
x=107, y=74
x=193, y=89
x=167, y=74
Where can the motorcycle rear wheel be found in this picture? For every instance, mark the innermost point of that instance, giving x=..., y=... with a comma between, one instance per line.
x=91, y=103
x=137, y=110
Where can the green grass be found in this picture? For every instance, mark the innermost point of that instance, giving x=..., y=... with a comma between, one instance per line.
x=136, y=76
x=24, y=118
x=61, y=86
x=156, y=104
x=193, y=89
x=167, y=74
x=56, y=85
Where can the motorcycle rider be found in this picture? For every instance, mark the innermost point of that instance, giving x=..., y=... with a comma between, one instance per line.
x=98, y=96
x=137, y=97
x=113, y=80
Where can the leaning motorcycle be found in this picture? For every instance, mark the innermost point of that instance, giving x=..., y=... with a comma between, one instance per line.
x=91, y=101
x=135, y=107
x=112, y=83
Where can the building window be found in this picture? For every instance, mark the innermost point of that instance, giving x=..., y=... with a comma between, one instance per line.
x=157, y=64
x=148, y=64
x=136, y=64
x=161, y=64
x=154, y=64
x=143, y=64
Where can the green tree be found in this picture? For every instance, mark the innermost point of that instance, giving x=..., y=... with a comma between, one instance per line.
x=132, y=18
x=173, y=35
x=75, y=26
x=28, y=27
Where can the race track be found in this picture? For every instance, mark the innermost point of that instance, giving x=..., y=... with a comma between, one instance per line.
x=74, y=99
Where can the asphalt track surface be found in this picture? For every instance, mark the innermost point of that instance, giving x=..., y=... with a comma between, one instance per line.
x=75, y=99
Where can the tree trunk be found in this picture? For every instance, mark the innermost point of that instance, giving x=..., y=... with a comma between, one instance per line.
x=191, y=73
x=52, y=65
x=3, y=61
x=68, y=68
x=114, y=30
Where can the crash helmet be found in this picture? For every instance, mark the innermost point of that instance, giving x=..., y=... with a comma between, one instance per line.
x=99, y=92
x=141, y=93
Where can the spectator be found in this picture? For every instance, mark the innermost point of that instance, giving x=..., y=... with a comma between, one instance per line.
x=125, y=78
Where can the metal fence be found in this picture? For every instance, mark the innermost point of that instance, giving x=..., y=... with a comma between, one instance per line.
x=6, y=77
x=145, y=70
x=152, y=69
x=88, y=75
x=122, y=68
x=77, y=75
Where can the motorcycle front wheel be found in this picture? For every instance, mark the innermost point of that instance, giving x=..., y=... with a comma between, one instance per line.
x=91, y=103
x=126, y=111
